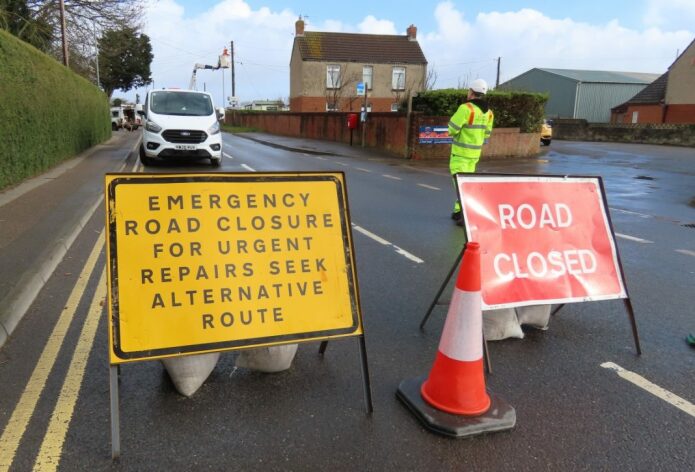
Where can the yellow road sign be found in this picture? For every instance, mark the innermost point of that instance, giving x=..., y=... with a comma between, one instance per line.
x=210, y=262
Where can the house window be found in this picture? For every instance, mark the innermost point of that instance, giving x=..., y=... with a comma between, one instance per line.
x=332, y=76
x=331, y=106
x=398, y=78
x=367, y=73
x=635, y=117
x=394, y=107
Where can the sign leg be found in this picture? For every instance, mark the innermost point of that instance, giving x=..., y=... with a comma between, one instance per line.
x=556, y=310
x=633, y=323
x=441, y=289
x=365, y=377
x=115, y=414
x=486, y=351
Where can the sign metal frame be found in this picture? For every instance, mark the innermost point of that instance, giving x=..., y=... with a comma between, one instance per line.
x=356, y=329
x=610, y=233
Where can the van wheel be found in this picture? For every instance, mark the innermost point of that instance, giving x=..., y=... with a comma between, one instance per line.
x=215, y=162
x=114, y=127
x=146, y=161
x=546, y=142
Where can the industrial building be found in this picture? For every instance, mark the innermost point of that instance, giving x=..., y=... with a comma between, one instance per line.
x=586, y=94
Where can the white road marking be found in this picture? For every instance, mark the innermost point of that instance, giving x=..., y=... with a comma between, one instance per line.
x=428, y=186
x=228, y=156
x=249, y=168
x=391, y=177
x=641, y=215
x=381, y=240
x=427, y=171
x=641, y=382
x=686, y=252
x=341, y=163
x=317, y=157
x=632, y=238
x=363, y=169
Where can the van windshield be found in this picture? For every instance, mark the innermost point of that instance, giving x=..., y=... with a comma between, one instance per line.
x=181, y=103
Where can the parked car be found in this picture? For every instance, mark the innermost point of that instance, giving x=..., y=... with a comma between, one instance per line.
x=180, y=124
x=546, y=132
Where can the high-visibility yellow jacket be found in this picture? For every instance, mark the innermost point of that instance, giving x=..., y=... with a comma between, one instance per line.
x=470, y=127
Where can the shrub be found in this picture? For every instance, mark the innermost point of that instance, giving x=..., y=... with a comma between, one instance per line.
x=47, y=113
x=523, y=110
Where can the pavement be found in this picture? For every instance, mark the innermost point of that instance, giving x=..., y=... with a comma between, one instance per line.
x=42, y=216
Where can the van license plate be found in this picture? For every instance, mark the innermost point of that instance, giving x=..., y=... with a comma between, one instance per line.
x=185, y=147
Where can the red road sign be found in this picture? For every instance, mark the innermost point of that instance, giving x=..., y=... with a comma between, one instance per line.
x=543, y=240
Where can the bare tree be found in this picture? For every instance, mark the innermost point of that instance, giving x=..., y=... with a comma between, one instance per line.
x=430, y=79
x=85, y=22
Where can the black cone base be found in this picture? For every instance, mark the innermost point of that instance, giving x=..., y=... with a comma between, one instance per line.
x=501, y=415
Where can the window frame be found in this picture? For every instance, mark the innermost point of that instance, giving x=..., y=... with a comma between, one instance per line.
x=394, y=80
x=332, y=82
x=368, y=83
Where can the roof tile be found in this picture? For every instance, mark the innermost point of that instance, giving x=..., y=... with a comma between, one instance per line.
x=364, y=48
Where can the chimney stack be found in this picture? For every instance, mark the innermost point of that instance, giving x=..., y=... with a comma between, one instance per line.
x=299, y=27
x=412, y=33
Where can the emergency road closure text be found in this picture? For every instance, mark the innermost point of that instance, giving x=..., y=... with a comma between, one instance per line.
x=218, y=262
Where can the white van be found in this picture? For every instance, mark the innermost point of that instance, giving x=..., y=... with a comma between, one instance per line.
x=116, y=118
x=180, y=124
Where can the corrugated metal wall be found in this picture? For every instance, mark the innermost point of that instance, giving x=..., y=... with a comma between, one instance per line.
x=594, y=101
x=561, y=91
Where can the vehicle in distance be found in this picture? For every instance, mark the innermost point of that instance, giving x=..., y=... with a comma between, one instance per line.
x=180, y=124
x=116, y=118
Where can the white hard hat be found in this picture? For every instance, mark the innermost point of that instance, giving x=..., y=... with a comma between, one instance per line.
x=479, y=86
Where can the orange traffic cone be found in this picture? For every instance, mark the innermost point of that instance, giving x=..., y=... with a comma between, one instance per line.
x=457, y=382
x=453, y=400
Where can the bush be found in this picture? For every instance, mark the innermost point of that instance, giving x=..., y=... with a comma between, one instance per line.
x=47, y=113
x=512, y=109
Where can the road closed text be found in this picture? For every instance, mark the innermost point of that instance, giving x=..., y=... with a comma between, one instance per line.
x=536, y=264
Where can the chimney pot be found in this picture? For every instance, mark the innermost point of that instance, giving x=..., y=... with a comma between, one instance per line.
x=299, y=27
x=412, y=32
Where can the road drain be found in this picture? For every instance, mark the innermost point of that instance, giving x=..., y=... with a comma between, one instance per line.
x=689, y=225
x=644, y=177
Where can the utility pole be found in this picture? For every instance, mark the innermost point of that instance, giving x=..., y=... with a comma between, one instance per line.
x=62, y=27
x=497, y=82
x=233, y=84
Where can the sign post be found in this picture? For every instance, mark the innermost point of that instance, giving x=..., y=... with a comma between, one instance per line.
x=213, y=262
x=544, y=240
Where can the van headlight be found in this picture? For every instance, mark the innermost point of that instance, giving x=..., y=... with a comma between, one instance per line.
x=214, y=129
x=153, y=127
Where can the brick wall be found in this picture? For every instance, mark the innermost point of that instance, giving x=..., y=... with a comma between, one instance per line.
x=663, y=133
x=684, y=114
x=645, y=114
x=386, y=131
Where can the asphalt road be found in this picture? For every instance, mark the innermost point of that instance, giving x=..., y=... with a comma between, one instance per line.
x=572, y=413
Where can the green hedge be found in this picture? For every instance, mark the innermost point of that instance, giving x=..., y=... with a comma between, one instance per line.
x=512, y=109
x=47, y=113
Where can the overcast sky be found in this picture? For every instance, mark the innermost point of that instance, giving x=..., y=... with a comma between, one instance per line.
x=461, y=39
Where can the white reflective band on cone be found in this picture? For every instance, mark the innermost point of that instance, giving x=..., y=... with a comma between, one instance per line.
x=462, y=338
